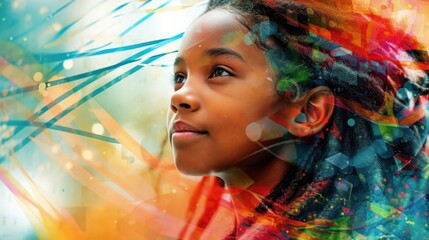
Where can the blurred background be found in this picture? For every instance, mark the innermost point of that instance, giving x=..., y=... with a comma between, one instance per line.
x=84, y=91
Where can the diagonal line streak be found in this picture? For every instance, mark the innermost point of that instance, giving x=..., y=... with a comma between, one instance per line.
x=60, y=128
x=90, y=80
x=119, y=78
x=144, y=18
x=46, y=20
x=98, y=73
x=45, y=58
x=59, y=67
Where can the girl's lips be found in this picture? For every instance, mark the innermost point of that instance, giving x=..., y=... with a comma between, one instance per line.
x=182, y=132
x=185, y=136
x=182, y=127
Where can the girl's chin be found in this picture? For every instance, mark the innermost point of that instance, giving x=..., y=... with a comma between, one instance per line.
x=192, y=169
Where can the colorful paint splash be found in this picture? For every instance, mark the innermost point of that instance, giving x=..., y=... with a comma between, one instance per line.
x=84, y=90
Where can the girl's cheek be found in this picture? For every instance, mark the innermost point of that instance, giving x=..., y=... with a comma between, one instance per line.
x=265, y=130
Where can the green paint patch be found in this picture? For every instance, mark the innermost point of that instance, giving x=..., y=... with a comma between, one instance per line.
x=317, y=56
x=383, y=211
x=293, y=74
x=231, y=38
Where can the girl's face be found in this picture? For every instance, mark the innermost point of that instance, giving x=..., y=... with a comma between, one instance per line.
x=223, y=84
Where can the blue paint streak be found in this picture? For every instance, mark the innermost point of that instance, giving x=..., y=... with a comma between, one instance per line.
x=106, y=15
x=143, y=19
x=137, y=8
x=45, y=58
x=99, y=90
x=60, y=67
x=94, y=93
x=59, y=34
x=60, y=128
x=65, y=29
x=48, y=18
x=61, y=8
x=99, y=73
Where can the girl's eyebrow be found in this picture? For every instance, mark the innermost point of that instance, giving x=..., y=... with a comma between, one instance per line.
x=214, y=52
x=178, y=61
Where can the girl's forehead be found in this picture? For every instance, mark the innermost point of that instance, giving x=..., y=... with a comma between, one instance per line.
x=217, y=26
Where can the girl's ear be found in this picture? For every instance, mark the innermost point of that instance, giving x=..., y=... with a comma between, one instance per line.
x=309, y=115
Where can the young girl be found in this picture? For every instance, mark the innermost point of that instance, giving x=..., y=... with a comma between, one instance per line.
x=312, y=132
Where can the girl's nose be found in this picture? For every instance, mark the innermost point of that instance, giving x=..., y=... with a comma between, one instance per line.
x=185, y=100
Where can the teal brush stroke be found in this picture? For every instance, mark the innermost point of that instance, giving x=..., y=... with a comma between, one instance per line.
x=107, y=44
x=46, y=57
x=61, y=33
x=60, y=128
x=48, y=18
x=122, y=14
x=64, y=29
x=99, y=90
x=98, y=73
x=92, y=79
x=59, y=67
x=144, y=19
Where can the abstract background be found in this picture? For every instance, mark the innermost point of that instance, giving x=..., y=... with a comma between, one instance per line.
x=84, y=90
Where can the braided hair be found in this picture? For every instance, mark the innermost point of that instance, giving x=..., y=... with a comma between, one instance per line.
x=366, y=173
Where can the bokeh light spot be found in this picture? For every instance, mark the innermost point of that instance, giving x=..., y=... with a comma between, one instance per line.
x=253, y=131
x=97, y=128
x=68, y=64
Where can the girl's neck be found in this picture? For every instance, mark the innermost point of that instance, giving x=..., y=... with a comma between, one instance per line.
x=248, y=186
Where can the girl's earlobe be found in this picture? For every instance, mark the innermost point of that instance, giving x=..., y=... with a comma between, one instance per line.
x=317, y=106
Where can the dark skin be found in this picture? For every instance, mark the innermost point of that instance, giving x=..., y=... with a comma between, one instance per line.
x=225, y=108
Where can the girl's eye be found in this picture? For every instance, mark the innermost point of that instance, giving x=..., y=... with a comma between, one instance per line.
x=219, y=72
x=179, y=78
